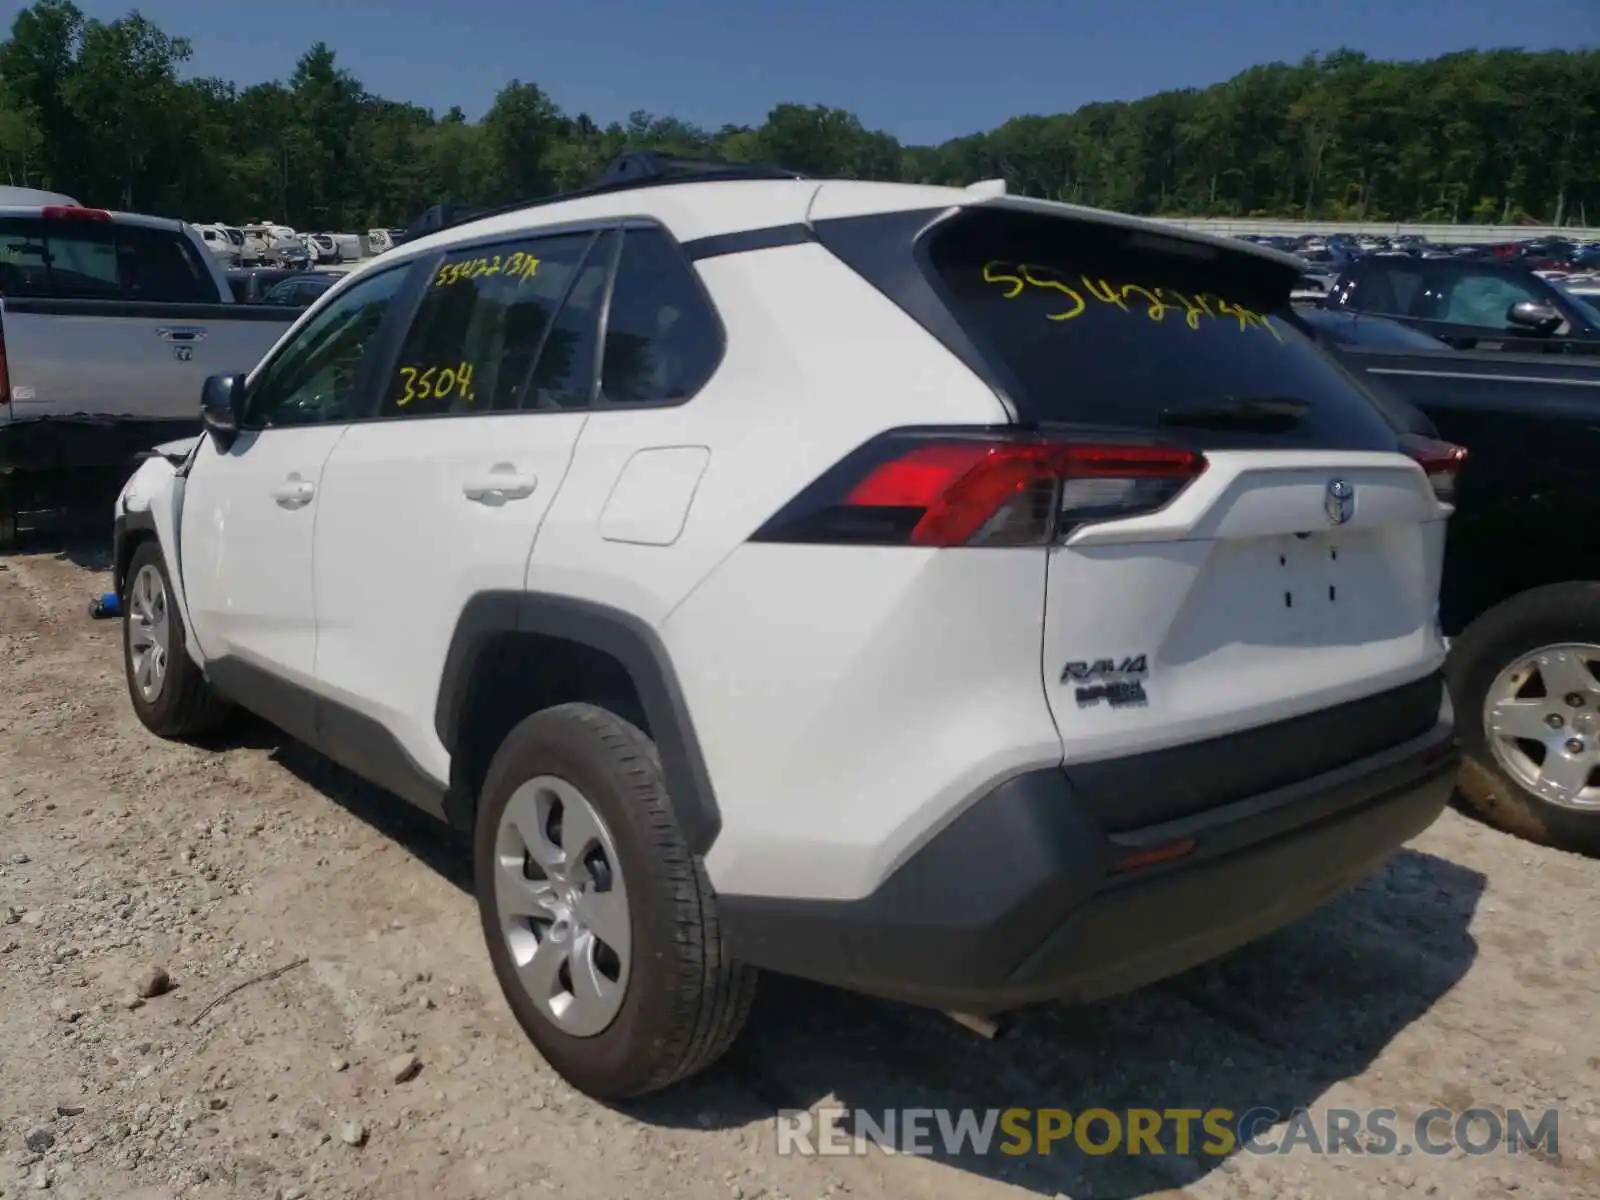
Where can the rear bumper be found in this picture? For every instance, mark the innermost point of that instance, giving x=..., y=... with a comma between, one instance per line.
x=1020, y=900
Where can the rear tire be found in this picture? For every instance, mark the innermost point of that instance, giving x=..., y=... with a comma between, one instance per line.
x=579, y=787
x=1496, y=659
x=169, y=692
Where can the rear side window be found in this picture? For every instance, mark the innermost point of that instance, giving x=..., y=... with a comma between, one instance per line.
x=663, y=340
x=473, y=344
x=1095, y=325
x=100, y=260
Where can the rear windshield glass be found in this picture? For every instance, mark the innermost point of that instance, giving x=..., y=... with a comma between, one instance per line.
x=1091, y=324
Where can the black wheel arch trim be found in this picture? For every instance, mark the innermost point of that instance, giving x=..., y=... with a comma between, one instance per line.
x=624, y=637
x=126, y=527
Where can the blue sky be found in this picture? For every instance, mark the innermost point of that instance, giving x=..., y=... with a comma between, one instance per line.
x=923, y=70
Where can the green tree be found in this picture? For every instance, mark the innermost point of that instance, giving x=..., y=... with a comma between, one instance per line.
x=101, y=110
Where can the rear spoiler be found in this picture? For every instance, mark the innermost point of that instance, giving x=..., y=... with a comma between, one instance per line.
x=1155, y=229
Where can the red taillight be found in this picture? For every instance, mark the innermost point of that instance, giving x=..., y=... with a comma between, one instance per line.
x=74, y=212
x=945, y=490
x=1441, y=461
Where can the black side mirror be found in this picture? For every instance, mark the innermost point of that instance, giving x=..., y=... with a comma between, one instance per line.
x=1534, y=316
x=222, y=407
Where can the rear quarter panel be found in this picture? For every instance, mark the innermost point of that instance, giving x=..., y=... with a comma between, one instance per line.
x=816, y=362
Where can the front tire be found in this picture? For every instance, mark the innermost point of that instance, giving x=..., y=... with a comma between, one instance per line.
x=600, y=922
x=169, y=692
x=1525, y=682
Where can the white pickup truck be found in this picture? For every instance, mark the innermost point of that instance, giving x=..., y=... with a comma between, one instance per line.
x=109, y=325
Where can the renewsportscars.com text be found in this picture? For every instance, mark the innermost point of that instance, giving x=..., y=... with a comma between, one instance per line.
x=1213, y=1132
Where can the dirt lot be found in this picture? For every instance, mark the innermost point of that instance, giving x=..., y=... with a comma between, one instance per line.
x=1467, y=974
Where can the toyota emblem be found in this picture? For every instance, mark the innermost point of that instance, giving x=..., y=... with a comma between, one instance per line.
x=1339, y=502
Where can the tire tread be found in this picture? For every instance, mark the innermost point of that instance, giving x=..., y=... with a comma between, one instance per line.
x=709, y=995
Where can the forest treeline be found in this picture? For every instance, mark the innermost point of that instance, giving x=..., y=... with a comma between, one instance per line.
x=106, y=111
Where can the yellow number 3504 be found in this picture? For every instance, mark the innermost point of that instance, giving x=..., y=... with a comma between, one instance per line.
x=436, y=383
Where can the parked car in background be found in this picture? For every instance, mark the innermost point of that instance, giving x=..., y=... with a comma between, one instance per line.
x=249, y=285
x=301, y=287
x=1483, y=303
x=323, y=247
x=108, y=322
x=277, y=245
x=348, y=246
x=237, y=237
x=247, y=250
x=293, y=252
x=1521, y=584
x=259, y=247
x=222, y=247
x=1337, y=331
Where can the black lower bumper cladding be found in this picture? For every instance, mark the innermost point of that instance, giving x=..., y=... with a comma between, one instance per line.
x=1021, y=898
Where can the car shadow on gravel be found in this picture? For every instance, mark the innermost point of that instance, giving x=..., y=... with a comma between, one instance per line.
x=431, y=842
x=1274, y=1025
x=81, y=537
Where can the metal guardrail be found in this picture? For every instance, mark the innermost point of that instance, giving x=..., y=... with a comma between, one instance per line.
x=1443, y=234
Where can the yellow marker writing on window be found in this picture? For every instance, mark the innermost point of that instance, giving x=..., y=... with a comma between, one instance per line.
x=1032, y=275
x=435, y=383
x=518, y=266
x=1017, y=278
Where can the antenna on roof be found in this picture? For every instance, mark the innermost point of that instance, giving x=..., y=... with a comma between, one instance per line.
x=988, y=187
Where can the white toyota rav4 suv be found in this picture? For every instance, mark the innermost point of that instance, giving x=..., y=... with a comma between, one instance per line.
x=962, y=598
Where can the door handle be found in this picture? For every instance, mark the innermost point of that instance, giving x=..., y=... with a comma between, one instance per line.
x=293, y=492
x=184, y=333
x=500, y=483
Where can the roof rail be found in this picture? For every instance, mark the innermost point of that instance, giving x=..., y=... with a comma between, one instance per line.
x=633, y=168
x=644, y=168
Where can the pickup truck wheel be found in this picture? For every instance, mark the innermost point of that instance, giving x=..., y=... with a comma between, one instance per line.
x=1525, y=681
x=170, y=694
x=601, y=925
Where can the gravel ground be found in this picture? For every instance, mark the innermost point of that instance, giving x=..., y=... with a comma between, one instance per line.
x=140, y=882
